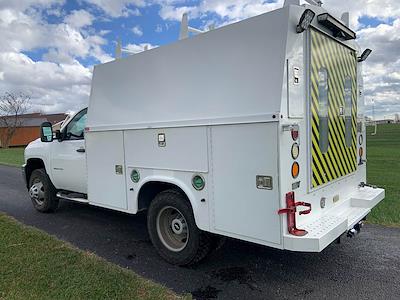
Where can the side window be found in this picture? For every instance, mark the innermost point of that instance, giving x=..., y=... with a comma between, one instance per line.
x=323, y=110
x=76, y=128
x=348, y=108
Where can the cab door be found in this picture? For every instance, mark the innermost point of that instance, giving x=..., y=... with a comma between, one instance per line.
x=333, y=107
x=68, y=157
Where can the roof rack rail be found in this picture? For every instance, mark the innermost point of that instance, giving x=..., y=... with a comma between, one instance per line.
x=186, y=29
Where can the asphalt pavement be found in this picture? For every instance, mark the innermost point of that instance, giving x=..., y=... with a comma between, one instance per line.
x=364, y=267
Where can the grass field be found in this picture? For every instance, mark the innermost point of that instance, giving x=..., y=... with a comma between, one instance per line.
x=12, y=156
x=35, y=265
x=383, y=169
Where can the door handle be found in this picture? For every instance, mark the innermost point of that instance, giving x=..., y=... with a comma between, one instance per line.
x=80, y=150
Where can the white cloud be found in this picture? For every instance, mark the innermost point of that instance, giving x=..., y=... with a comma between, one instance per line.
x=170, y=12
x=118, y=8
x=104, y=32
x=57, y=81
x=380, y=9
x=57, y=11
x=79, y=19
x=159, y=28
x=25, y=33
x=381, y=69
x=137, y=48
x=53, y=87
x=240, y=9
x=137, y=30
x=22, y=5
x=134, y=12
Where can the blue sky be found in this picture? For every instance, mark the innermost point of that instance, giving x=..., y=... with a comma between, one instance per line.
x=51, y=45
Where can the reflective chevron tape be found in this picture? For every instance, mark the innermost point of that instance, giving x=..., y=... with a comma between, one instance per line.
x=339, y=62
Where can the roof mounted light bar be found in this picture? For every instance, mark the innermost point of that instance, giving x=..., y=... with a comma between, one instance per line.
x=338, y=29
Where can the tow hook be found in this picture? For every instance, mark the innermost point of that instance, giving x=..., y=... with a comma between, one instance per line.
x=355, y=230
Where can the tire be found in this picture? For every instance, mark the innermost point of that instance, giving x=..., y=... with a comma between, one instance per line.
x=171, y=205
x=42, y=192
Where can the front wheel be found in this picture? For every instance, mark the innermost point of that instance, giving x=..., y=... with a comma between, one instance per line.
x=42, y=191
x=173, y=230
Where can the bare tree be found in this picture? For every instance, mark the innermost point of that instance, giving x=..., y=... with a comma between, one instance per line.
x=12, y=106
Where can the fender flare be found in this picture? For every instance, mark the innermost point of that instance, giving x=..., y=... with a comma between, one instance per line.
x=45, y=164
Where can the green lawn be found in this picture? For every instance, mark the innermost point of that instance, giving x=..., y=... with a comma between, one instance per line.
x=12, y=156
x=383, y=169
x=35, y=265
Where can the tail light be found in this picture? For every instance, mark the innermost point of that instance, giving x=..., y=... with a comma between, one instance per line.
x=295, y=133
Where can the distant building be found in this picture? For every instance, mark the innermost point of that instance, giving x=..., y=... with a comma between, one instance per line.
x=397, y=118
x=30, y=127
x=384, y=121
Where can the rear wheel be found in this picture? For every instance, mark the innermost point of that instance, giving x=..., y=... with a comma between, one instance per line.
x=173, y=230
x=42, y=191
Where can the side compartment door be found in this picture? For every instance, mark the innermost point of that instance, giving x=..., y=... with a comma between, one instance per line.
x=333, y=107
x=239, y=154
x=106, y=167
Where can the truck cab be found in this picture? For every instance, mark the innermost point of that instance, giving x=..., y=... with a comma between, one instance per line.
x=64, y=158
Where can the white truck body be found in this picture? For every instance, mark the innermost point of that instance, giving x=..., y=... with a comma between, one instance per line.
x=223, y=105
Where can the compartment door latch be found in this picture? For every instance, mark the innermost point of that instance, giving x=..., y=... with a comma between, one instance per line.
x=290, y=210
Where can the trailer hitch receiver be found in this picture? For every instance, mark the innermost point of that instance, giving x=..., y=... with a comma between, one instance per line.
x=290, y=210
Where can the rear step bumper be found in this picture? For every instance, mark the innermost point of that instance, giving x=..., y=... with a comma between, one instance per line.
x=338, y=220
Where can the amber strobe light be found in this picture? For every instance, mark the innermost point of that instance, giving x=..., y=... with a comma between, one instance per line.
x=295, y=169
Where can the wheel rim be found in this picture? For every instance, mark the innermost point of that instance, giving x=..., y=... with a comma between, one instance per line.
x=36, y=192
x=172, y=229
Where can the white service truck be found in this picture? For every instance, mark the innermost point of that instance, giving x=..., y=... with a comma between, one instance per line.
x=253, y=131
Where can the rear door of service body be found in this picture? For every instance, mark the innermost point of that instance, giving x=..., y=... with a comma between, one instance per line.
x=333, y=74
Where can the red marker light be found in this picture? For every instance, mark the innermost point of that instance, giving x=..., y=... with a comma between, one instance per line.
x=295, y=134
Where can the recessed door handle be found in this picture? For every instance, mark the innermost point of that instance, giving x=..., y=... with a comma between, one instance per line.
x=81, y=150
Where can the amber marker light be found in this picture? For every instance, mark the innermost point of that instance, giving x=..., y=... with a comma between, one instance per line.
x=295, y=169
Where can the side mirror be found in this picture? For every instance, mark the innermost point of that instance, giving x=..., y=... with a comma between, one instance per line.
x=46, y=132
